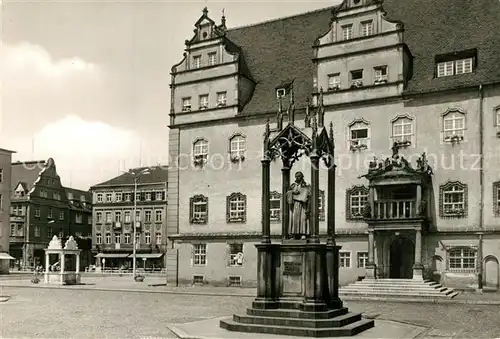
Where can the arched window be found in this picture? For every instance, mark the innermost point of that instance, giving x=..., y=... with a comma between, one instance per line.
x=200, y=151
x=236, y=208
x=359, y=135
x=453, y=126
x=356, y=200
x=198, y=209
x=237, y=147
x=403, y=130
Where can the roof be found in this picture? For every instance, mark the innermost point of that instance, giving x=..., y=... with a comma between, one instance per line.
x=156, y=174
x=3, y=150
x=271, y=49
x=275, y=50
x=434, y=27
x=26, y=172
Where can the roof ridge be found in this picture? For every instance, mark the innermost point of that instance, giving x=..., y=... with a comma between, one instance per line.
x=282, y=18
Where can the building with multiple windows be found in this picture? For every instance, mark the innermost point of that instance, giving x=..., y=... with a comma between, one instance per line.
x=416, y=121
x=113, y=219
x=5, y=178
x=42, y=207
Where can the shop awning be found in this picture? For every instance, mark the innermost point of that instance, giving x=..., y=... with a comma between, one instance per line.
x=148, y=255
x=112, y=255
x=6, y=256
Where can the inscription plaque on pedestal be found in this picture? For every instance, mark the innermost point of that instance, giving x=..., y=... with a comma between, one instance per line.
x=292, y=273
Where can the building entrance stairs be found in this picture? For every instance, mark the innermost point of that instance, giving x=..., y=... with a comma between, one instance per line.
x=397, y=288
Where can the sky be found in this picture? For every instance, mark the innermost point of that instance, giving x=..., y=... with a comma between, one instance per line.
x=87, y=82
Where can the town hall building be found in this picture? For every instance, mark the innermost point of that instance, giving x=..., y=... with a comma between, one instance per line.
x=412, y=89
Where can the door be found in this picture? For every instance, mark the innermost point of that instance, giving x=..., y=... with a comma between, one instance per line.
x=402, y=258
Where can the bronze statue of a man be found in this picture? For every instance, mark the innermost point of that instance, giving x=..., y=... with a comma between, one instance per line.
x=298, y=201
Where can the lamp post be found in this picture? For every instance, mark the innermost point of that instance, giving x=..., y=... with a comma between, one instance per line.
x=136, y=174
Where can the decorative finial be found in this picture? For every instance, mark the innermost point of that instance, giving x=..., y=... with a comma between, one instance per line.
x=205, y=10
x=223, y=20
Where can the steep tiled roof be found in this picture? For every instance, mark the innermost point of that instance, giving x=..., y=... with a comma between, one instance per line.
x=156, y=174
x=434, y=27
x=26, y=172
x=276, y=50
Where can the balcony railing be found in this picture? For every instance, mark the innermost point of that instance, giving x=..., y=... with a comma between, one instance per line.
x=395, y=209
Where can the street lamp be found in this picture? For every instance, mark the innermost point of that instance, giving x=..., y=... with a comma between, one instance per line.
x=136, y=174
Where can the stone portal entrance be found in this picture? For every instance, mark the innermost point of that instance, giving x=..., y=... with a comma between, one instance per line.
x=402, y=258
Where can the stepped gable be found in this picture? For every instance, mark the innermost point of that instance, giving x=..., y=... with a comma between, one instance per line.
x=275, y=50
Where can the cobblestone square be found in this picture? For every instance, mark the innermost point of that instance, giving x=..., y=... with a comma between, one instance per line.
x=73, y=313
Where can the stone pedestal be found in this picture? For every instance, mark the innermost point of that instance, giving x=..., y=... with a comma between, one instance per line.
x=371, y=271
x=418, y=272
x=297, y=294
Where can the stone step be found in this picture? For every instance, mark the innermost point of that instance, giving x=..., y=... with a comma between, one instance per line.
x=399, y=298
x=397, y=288
x=296, y=314
x=396, y=281
x=339, y=321
x=344, y=331
x=398, y=294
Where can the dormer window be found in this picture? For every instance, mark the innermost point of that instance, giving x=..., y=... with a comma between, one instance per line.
x=347, y=32
x=380, y=75
x=334, y=82
x=204, y=101
x=455, y=64
x=212, y=59
x=196, y=61
x=367, y=28
x=221, y=99
x=357, y=78
x=186, y=104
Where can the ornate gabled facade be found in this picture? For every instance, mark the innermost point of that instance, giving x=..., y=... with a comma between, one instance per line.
x=41, y=208
x=388, y=76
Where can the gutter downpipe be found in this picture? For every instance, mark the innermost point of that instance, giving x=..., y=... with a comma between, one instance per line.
x=481, y=184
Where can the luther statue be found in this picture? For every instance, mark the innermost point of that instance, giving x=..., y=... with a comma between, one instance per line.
x=298, y=201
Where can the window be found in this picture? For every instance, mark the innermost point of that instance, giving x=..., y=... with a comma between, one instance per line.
x=118, y=238
x=200, y=254
x=221, y=99
x=356, y=78
x=128, y=196
x=98, y=217
x=453, y=199
x=13, y=230
x=61, y=215
x=198, y=206
x=43, y=193
x=37, y=212
x=334, y=82
x=138, y=196
x=158, y=239
x=402, y=130
x=137, y=216
x=198, y=279
x=203, y=101
x=380, y=75
x=98, y=238
x=160, y=195
x=236, y=207
x=79, y=218
x=362, y=259
x=200, y=151
x=137, y=239
x=109, y=197
x=496, y=198
x=109, y=218
x=147, y=238
x=497, y=116
x=453, y=126
x=49, y=233
x=127, y=217
x=462, y=258
x=196, y=61
x=99, y=197
x=158, y=216
x=147, y=216
x=108, y=238
x=118, y=216
x=127, y=238
x=448, y=68
x=49, y=213
x=237, y=147
x=345, y=259
x=212, y=59
x=367, y=28
x=235, y=254
x=89, y=220
x=186, y=104
x=234, y=280
x=1, y=175
x=275, y=206
x=356, y=200
x=359, y=135
x=347, y=32
x=148, y=196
